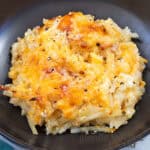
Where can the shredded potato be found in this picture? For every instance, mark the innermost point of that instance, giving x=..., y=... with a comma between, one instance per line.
x=76, y=73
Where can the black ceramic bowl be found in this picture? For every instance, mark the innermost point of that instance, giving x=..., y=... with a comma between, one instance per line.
x=136, y=15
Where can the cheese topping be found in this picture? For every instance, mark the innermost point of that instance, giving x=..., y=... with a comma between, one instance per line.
x=75, y=70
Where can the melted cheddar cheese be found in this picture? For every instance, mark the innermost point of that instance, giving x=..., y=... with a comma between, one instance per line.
x=74, y=68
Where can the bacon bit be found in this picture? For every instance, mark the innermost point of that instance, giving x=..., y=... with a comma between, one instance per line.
x=62, y=71
x=64, y=89
x=70, y=73
x=105, y=46
x=81, y=72
x=39, y=100
x=35, y=98
x=83, y=44
x=3, y=88
x=50, y=70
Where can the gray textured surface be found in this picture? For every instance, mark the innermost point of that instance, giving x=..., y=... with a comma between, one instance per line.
x=143, y=144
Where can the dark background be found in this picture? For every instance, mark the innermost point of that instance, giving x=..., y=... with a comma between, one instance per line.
x=11, y=7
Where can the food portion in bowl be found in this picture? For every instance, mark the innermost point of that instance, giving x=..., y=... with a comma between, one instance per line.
x=76, y=73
